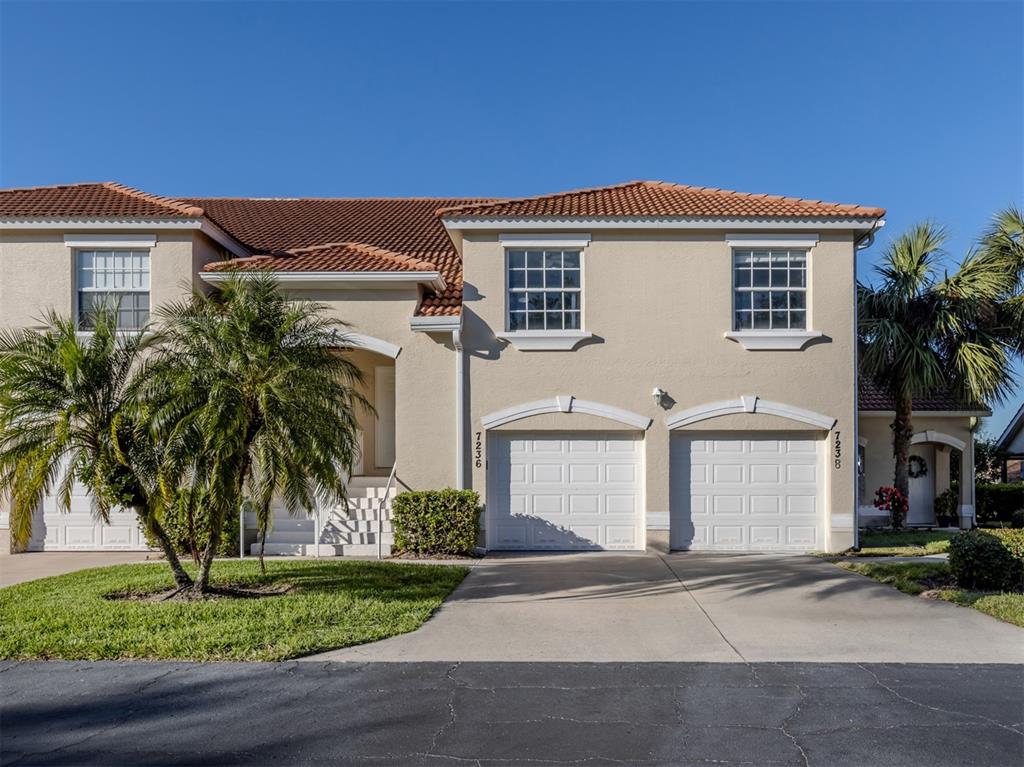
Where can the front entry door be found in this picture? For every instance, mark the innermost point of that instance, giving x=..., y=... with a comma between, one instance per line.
x=922, y=489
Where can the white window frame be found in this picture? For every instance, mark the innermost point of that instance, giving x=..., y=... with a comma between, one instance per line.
x=782, y=339
x=769, y=289
x=80, y=246
x=555, y=339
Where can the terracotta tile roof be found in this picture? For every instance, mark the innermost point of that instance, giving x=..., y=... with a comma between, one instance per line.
x=872, y=397
x=331, y=257
x=643, y=199
x=406, y=227
x=93, y=200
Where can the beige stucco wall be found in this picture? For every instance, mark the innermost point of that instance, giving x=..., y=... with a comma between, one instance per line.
x=879, y=461
x=37, y=270
x=658, y=305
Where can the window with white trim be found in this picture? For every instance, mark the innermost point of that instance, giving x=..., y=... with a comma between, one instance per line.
x=113, y=278
x=769, y=289
x=544, y=289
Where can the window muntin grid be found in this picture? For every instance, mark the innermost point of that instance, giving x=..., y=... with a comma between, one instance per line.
x=114, y=277
x=769, y=289
x=544, y=290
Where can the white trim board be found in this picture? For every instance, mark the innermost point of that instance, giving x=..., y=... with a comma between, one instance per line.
x=565, y=403
x=643, y=222
x=86, y=241
x=573, y=240
x=771, y=240
x=748, y=404
x=203, y=225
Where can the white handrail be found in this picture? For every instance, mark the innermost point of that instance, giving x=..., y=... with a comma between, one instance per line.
x=380, y=512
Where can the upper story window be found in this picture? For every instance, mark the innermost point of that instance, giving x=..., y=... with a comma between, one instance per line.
x=770, y=289
x=114, y=278
x=544, y=290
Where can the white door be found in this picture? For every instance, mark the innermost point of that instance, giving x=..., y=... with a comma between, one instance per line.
x=384, y=403
x=575, y=491
x=746, y=492
x=77, y=530
x=921, y=490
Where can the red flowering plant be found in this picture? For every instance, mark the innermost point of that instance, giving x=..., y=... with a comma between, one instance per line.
x=892, y=500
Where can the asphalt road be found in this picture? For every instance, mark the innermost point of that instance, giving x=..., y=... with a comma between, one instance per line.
x=486, y=714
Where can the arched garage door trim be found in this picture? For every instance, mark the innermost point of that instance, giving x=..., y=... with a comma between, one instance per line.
x=749, y=404
x=564, y=404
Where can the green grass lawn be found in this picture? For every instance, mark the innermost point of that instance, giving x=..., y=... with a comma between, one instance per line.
x=332, y=604
x=909, y=543
x=914, y=578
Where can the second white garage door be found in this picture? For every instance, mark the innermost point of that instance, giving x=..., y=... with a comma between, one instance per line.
x=747, y=492
x=558, y=491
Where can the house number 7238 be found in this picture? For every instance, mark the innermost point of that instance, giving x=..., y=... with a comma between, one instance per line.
x=837, y=451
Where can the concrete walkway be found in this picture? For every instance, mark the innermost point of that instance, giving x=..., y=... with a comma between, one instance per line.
x=690, y=607
x=32, y=565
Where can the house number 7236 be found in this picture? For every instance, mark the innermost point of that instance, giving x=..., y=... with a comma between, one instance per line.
x=478, y=450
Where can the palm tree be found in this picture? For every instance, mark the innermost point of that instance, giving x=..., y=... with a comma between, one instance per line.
x=68, y=413
x=253, y=398
x=923, y=331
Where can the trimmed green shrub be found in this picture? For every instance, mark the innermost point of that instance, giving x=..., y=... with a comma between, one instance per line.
x=189, y=530
x=988, y=560
x=430, y=522
x=996, y=503
x=1017, y=519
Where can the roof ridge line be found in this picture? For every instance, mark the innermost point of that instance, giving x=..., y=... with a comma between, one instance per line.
x=585, y=190
x=167, y=202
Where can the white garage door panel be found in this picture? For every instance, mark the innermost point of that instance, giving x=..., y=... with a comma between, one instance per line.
x=758, y=492
x=564, y=491
x=77, y=530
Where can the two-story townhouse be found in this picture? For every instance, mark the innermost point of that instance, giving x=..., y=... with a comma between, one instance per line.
x=646, y=361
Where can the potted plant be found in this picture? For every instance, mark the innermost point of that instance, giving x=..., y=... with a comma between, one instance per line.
x=945, y=509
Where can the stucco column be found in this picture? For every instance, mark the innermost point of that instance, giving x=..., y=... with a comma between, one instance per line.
x=656, y=483
x=942, y=458
x=967, y=485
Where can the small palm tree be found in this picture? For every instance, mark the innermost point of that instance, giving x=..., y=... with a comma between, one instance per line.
x=253, y=399
x=68, y=413
x=924, y=331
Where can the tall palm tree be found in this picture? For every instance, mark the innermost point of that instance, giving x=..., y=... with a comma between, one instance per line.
x=923, y=331
x=68, y=413
x=253, y=398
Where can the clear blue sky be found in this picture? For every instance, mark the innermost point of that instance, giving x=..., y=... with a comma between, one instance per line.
x=915, y=107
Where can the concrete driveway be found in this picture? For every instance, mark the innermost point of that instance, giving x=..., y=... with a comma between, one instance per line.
x=695, y=606
x=18, y=568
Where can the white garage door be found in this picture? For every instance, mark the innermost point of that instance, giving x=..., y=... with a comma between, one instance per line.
x=565, y=491
x=54, y=530
x=747, y=492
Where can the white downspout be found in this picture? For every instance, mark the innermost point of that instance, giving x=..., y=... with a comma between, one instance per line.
x=858, y=244
x=460, y=409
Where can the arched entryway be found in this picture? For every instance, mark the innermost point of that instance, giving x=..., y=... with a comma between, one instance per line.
x=935, y=464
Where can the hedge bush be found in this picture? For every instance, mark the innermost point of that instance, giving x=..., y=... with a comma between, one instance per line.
x=988, y=560
x=996, y=503
x=1017, y=520
x=432, y=522
x=189, y=530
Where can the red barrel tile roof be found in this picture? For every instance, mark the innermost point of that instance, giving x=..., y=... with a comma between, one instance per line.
x=331, y=257
x=402, y=226
x=92, y=200
x=873, y=397
x=657, y=199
